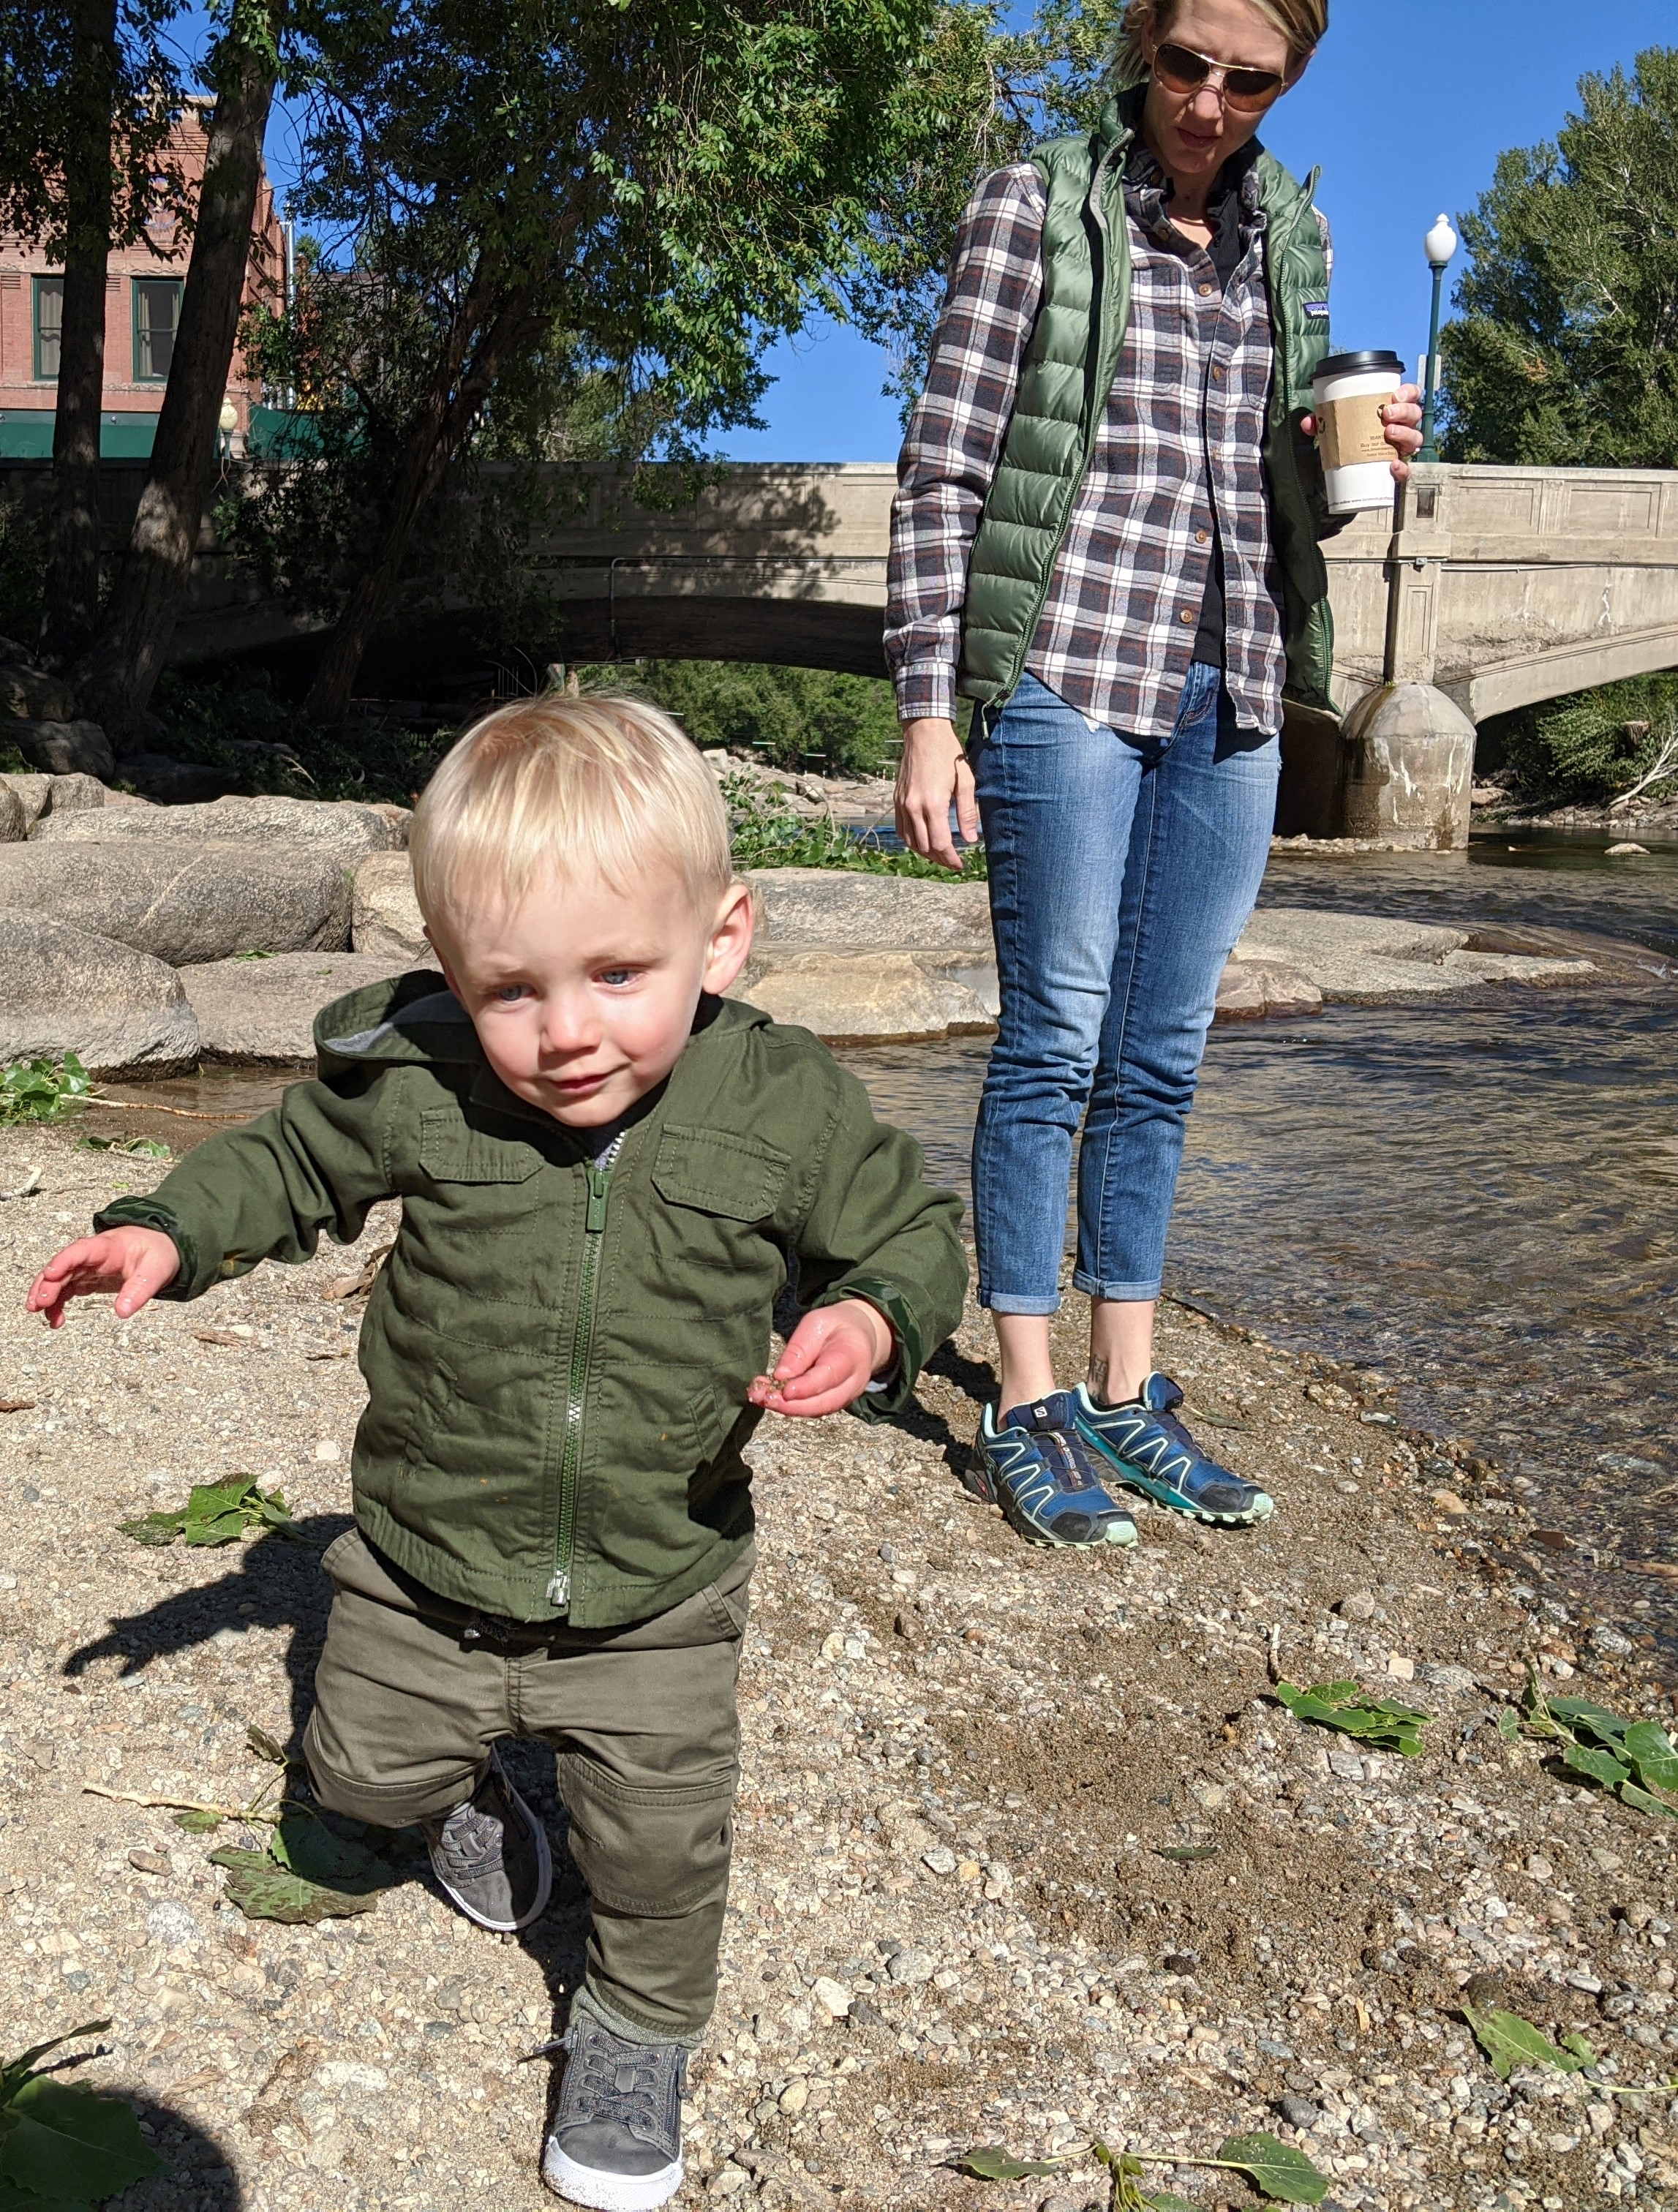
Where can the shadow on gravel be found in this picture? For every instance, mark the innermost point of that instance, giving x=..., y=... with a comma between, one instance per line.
x=975, y=1379
x=196, y=2175
x=277, y=1582
x=274, y=1583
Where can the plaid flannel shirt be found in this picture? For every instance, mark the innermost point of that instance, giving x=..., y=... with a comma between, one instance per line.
x=1177, y=469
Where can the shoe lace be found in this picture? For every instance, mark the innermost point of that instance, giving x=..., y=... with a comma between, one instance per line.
x=472, y=1840
x=629, y=2083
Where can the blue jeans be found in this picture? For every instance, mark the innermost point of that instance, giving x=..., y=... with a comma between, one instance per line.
x=1121, y=871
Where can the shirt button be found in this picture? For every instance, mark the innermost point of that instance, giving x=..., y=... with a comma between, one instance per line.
x=1202, y=537
x=1205, y=291
x=1186, y=614
x=1217, y=375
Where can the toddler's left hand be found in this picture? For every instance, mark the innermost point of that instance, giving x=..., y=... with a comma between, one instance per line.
x=828, y=1360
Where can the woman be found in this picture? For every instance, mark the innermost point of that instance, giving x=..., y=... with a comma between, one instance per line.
x=1106, y=532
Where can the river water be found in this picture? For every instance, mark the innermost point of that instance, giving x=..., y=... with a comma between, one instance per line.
x=1478, y=1198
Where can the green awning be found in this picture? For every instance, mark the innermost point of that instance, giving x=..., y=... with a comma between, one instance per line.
x=25, y=435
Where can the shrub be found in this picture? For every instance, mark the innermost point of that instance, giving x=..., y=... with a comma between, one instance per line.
x=264, y=743
x=1587, y=748
x=794, y=717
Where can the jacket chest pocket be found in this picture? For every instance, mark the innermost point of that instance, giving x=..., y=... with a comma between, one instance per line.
x=710, y=1232
x=452, y=1152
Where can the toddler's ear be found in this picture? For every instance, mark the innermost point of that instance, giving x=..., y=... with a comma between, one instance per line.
x=730, y=941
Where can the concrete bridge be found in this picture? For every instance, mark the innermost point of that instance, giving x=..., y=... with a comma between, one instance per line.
x=1486, y=589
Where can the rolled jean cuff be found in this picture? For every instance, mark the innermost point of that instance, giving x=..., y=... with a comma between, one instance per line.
x=588, y=2000
x=1005, y=1301
x=1126, y=1293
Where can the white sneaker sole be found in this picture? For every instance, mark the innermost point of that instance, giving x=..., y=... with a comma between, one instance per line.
x=608, y=2192
x=544, y=1879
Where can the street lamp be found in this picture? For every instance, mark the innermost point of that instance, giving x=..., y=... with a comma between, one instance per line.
x=1440, y=247
x=226, y=423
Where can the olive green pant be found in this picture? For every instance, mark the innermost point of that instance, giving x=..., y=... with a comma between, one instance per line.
x=412, y=1690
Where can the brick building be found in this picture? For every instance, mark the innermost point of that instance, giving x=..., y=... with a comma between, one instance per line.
x=143, y=285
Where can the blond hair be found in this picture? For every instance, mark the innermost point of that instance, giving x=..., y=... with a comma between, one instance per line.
x=562, y=786
x=1302, y=23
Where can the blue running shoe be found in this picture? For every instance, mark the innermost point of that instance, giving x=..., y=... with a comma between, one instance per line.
x=1155, y=1453
x=1035, y=1467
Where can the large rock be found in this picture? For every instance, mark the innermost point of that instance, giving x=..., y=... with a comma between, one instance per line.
x=33, y=792
x=185, y=901
x=1352, y=956
x=262, y=1012
x=865, y=998
x=67, y=991
x=13, y=821
x=33, y=695
x=63, y=747
x=348, y=831
x=831, y=906
x=44, y=795
x=1255, y=990
x=386, y=917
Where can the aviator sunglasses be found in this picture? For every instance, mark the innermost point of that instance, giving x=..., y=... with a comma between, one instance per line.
x=1180, y=69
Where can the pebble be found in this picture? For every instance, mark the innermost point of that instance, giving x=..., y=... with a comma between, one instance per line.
x=1357, y=1604
x=912, y=1967
x=1299, y=2112
x=941, y=1859
x=831, y=1996
x=171, y=1924
x=150, y=1862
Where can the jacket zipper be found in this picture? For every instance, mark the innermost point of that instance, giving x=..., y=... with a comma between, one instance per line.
x=582, y=1340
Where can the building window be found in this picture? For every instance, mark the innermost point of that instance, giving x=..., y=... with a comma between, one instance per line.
x=156, y=316
x=49, y=325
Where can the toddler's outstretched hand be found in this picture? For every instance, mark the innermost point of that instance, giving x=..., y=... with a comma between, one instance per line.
x=828, y=1360
x=135, y=1263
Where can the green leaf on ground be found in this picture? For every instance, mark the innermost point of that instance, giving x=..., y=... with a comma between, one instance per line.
x=216, y=1513
x=41, y=1090
x=198, y=1824
x=1509, y=1725
x=65, y=2142
x=1651, y=1752
x=1630, y=1794
x=990, y=2162
x=1575, y=2045
x=1353, y=1710
x=262, y=1889
x=1275, y=2169
x=1509, y=2041
x=264, y=1747
x=1601, y=1766
x=304, y=1844
x=145, y=1148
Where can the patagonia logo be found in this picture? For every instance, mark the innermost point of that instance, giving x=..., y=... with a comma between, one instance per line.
x=1317, y=307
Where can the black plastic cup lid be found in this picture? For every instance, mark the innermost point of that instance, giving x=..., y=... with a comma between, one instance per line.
x=1359, y=364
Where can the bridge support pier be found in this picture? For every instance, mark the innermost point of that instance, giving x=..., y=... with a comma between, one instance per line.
x=1407, y=769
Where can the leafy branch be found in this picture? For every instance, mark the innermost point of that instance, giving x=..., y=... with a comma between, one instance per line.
x=1353, y=1710
x=1634, y=1760
x=217, y=1513
x=1278, y=2171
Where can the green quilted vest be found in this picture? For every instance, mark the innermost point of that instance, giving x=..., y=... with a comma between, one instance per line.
x=1067, y=375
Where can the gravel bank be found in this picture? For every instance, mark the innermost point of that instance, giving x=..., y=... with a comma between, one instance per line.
x=952, y=1922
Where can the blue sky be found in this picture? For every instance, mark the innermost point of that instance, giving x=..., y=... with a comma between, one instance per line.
x=1405, y=108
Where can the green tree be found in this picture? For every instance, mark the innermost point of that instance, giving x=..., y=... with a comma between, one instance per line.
x=115, y=676
x=88, y=93
x=587, y=214
x=1566, y=353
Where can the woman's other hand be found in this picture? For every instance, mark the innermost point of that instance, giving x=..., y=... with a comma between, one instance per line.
x=1402, y=415
x=932, y=771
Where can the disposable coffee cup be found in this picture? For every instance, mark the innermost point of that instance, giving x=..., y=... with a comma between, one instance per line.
x=1347, y=394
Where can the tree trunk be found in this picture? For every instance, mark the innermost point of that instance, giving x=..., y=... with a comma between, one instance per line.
x=72, y=613
x=116, y=676
x=432, y=444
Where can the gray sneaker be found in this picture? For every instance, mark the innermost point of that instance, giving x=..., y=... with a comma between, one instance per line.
x=491, y=1854
x=616, y=2142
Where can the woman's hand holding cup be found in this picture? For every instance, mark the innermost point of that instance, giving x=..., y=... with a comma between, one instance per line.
x=933, y=772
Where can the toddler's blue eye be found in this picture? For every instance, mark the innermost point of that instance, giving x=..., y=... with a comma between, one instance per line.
x=617, y=974
x=508, y=993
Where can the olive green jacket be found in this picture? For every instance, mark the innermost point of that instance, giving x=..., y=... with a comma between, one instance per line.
x=558, y=1354
x=1065, y=376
